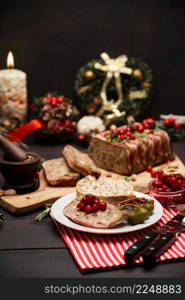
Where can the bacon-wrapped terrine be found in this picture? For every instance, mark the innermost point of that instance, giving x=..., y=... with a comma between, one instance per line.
x=126, y=150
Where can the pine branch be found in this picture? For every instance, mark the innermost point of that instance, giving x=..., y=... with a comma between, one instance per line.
x=44, y=213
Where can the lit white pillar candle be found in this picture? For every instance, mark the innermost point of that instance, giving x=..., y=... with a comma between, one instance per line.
x=13, y=92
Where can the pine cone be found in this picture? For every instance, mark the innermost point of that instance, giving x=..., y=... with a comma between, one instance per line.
x=54, y=126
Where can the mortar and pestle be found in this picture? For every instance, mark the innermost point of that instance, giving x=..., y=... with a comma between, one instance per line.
x=19, y=168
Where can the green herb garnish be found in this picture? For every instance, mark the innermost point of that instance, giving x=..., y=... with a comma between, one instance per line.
x=44, y=213
x=127, y=178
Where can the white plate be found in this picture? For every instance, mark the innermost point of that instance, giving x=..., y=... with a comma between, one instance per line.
x=57, y=213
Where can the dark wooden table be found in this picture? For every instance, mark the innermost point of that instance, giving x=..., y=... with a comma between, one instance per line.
x=31, y=249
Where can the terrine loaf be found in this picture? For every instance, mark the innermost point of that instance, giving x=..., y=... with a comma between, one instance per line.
x=58, y=173
x=109, y=218
x=105, y=188
x=126, y=150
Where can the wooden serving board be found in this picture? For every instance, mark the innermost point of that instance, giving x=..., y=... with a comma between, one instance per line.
x=143, y=179
x=21, y=204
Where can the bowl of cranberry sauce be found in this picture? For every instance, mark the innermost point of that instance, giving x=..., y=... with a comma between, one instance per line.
x=168, y=189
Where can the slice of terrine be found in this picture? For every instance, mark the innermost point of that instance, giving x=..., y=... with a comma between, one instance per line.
x=126, y=151
x=109, y=218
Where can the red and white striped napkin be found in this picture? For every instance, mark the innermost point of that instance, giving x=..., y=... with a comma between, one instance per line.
x=99, y=251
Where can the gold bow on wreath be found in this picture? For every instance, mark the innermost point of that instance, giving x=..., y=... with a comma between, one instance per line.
x=113, y=68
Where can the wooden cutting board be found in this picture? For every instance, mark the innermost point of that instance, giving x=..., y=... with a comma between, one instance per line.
x=21, y=204
x=143, y=179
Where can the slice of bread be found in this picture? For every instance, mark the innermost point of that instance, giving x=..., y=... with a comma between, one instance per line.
x=58, y=173
x=107, y=189
x=109, y=218
x=80, y=162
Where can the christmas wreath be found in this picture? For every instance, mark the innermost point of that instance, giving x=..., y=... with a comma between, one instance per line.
x=113, y=88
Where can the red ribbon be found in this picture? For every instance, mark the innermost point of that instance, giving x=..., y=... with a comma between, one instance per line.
x=25, y=130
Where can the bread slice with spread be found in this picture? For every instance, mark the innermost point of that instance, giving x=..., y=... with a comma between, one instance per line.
x=111, y=190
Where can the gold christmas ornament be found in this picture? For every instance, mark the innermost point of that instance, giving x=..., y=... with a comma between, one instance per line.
x=137, y=74
x=89, y=75
x=146, y=85
x=113, y=68
x=139, y=94
x=98, y=100
x=91, y=108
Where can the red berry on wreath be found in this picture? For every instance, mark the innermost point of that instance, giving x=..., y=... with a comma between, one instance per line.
x=81, y=137
x=60, y=99
x=176, y=125
x=33, y=106
x=53, y=101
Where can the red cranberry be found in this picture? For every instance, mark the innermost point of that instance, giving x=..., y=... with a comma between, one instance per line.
x=157, y=183
x=149, y=169
x=88, y=208
x=168, y=161
x=146, y=125
x=106, y=133
x=154, y=173
x=179, y=176
x=149, y=120
x=90, y=203
x=160, y=189
x=94, y=207
x=128, y=128
x=109, y=175
x=160, y=174
x=121, y=130
x=139, y=127
x=129, y=134
x=88, y=199
x=102, y=206
x=81, y=206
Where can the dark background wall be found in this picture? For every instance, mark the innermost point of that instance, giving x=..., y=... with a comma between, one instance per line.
x=52, y=39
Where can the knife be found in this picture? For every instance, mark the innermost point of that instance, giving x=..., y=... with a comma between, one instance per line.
x=150, y=245
x=167, y=236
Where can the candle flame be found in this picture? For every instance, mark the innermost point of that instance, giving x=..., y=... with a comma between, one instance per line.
x=10, y=60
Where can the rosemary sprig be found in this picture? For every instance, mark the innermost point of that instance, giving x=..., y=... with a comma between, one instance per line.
x=44, y=213
x=172, y=169
x=127, y=178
